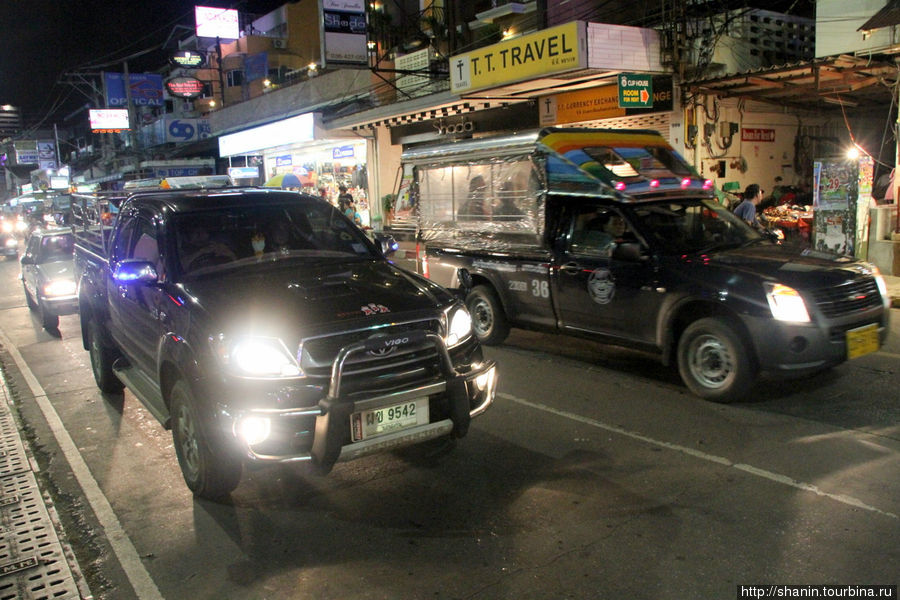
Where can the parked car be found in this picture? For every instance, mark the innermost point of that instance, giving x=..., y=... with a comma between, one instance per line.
x=9, y=244
x=48, y=275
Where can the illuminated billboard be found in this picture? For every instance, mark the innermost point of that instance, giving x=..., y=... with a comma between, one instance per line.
x=108, y=120
x=217, y=22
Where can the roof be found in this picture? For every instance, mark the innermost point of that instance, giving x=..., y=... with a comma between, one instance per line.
x=200, y=200
x=819, y=84
x=888, y=16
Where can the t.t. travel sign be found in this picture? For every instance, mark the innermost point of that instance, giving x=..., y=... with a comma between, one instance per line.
x=554, y=50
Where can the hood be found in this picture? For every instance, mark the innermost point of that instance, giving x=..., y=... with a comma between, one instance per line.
x=798, y=268
x=289, y=297
x=63, y=269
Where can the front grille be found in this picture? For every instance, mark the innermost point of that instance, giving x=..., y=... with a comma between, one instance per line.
x=848, y=298
x=364, y=370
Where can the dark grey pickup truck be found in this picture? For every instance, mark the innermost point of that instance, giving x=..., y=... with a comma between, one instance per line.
x=610, y=235
x=263, y=326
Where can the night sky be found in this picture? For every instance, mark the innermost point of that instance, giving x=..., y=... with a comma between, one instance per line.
x=43, y=39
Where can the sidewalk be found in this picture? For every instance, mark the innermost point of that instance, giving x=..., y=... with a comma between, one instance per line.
x=36, y=562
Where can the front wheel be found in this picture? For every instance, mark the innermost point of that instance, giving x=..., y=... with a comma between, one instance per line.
x=48, y=320
x=714, y=361
x=28, y=299
x=211, y=470
x=102, y=358
x=488, y=319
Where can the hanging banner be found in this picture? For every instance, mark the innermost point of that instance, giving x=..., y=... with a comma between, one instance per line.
x=146, y=89
x=344, y=32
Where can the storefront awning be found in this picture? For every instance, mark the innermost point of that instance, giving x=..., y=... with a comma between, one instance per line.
x=822, y=83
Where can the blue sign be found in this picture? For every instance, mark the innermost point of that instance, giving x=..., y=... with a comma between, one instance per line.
x=146, y=89
x=342, y=152
x=256, y=66
x=284, y=161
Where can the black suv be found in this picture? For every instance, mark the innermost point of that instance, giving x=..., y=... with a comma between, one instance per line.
x=263, y=326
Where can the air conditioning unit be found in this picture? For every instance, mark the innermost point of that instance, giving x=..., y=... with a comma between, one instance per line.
x=278, y=43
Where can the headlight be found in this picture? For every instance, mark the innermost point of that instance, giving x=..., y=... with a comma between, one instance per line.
x=12, y=243
x=7, y=227
x=258, y=357
x=786, y=303
x=253, y=430
x=21, y=225
x=61, y=287
x=459, y=326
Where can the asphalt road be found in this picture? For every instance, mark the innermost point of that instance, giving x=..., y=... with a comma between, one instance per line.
x=595, y=475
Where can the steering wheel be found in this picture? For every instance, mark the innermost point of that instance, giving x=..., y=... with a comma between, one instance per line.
x=209, y=258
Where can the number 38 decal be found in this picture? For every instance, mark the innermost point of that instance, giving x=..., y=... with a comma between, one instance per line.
x=538, y=288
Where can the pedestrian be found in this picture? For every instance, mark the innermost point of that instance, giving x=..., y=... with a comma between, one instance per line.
x=746, y=210
x=344, y=195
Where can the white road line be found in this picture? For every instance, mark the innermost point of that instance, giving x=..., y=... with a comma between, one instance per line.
x=777, y=478
x=137, y=574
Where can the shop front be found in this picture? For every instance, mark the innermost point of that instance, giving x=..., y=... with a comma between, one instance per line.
x=297, y=153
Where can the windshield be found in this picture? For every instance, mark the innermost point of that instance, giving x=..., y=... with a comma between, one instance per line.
x=691, y=226
x=210, y=239
x=56, y=248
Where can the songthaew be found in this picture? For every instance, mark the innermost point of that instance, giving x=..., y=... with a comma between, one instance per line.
x=617, y=238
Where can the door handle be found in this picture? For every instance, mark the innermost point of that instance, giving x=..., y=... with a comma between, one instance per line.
x=571, y=268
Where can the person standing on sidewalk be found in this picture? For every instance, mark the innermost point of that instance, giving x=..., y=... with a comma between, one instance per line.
x=746, y=210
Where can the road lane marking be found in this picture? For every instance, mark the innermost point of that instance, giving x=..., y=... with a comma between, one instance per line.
x=121, y=544
x=762, y=473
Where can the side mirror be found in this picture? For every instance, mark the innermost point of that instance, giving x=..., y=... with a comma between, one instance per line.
x=135, y=271
x=27, y=259
x=387, y=243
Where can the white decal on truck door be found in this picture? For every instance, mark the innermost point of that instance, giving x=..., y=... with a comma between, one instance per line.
x=601, y=286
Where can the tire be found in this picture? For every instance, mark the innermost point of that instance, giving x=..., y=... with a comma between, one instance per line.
x=714, y=361
x=28, y=299
x=211, y=470
x=48, y=319
x=488, y=319
x=102, y=358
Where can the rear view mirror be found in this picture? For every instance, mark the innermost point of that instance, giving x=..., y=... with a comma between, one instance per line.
x=386, y=243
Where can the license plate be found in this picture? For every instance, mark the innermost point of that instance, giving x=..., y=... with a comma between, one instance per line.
x=862, y=341
x=379, y=421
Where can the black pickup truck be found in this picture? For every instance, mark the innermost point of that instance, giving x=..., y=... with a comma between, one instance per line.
x=610, y=235
x=263, y=326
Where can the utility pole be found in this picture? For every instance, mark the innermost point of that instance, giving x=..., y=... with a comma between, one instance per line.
x=131, y=118
x=221, y=72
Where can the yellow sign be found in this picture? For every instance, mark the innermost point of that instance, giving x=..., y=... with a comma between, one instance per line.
x=554, y=50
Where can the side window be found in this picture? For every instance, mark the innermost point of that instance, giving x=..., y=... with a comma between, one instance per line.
x=122, y=243
x=32, y=247
x=596, y=231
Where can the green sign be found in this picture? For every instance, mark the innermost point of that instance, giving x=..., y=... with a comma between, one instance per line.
x=635, y=91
